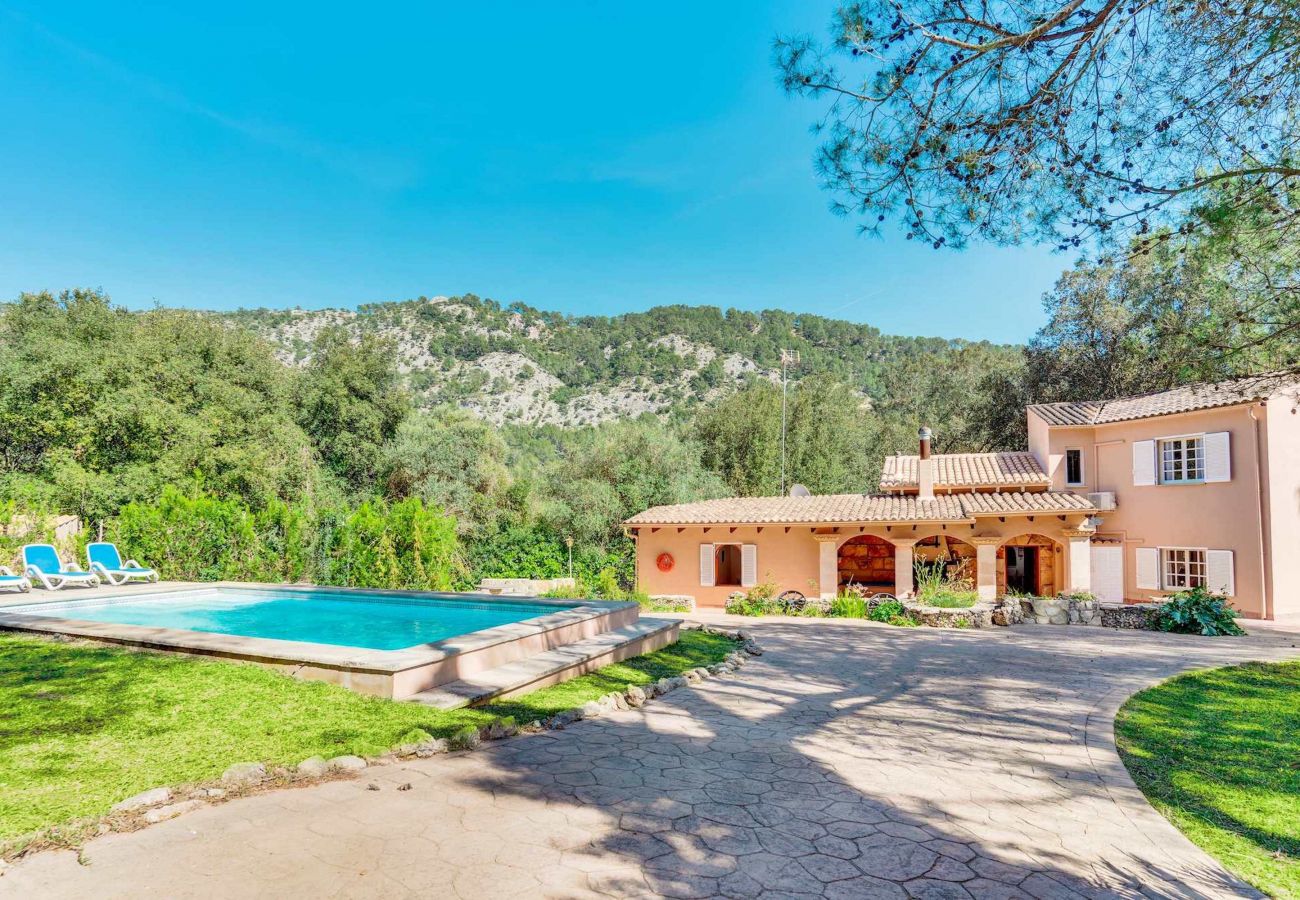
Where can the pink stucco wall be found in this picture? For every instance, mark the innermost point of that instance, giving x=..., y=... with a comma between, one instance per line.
x=789, y=558
x=1220, y=516
x=1281, y=463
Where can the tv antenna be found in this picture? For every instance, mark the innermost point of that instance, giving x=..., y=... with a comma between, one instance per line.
x=789, y=360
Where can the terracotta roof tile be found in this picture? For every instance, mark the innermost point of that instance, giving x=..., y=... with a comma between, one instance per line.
x=1188, y=398
x=989, y=504
x=1014, y=468
x=858, y=508
x=796, y=510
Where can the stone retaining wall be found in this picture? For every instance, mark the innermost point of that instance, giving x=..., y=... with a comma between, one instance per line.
x=978, y=616
x=1141, y=616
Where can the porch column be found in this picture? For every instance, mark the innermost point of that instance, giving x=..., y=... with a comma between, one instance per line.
x=986, y=566
x=828, y=565
x=904, y=562
x=1079, y=559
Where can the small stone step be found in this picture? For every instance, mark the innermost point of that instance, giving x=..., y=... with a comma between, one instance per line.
x=552, y=666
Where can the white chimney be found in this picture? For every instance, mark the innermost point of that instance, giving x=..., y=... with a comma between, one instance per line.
x=924, y=468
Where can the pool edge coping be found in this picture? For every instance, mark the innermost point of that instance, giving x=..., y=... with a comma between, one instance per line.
x=274, y=650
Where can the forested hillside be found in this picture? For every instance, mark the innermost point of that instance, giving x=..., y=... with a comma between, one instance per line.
x=515, y=364
x=432, y=443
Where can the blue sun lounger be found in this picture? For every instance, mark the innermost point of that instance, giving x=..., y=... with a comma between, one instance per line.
x=9, y=580
x=42, y=564
x=106, y=562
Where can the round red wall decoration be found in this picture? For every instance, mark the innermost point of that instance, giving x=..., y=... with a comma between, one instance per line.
x=665, y=562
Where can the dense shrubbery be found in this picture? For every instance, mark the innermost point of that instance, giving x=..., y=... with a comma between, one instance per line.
x=1198, y=611
x=185, y=439
x=203, y=538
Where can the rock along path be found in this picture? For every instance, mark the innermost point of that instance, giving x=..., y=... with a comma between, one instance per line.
x=851, y=760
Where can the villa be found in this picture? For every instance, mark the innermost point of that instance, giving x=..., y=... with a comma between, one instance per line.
x=1127, y=499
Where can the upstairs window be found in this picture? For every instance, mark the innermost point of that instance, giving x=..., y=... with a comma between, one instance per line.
x=1182, y=460
x=1074, y=467
x=1182, y=569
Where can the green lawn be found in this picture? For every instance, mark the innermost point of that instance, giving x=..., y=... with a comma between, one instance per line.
x=1218, y=753
x=83, y=726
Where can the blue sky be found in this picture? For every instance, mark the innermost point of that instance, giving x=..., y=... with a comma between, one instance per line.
x=583, y=157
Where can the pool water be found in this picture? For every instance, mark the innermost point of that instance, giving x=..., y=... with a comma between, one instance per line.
x=351, y=619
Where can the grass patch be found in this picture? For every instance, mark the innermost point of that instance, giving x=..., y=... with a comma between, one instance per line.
x=949, y=599
x=1218, y=753
x=83, y=726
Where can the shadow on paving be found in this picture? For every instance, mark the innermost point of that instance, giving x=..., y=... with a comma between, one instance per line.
x=860, y=762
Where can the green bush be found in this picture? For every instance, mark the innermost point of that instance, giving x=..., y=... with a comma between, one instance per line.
x=199, y=537
x=886, y=611
x=849, y=606
x=760, y=600
x=1198, y=611
x=403, y=545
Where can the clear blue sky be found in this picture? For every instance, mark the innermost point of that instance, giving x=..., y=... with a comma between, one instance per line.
x=584, y=157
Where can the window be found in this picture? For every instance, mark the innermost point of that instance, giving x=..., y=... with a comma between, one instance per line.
x=1074, y=467
x=1181, y=568
x=1182, y=459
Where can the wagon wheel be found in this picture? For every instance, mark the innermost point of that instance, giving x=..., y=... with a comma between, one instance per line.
x=793, y=599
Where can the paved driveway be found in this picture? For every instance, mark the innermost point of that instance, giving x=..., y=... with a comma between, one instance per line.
x=851, y=760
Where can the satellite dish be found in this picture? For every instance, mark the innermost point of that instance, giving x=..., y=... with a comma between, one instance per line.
x=799, y=490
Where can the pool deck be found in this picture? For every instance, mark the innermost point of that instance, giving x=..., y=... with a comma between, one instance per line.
x=395, y=674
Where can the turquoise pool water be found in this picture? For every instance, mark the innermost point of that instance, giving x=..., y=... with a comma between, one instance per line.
x=372, y=621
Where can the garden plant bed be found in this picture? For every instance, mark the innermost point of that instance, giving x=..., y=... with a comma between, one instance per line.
x=978, y=615
x=1218, y=753
x=94, y=725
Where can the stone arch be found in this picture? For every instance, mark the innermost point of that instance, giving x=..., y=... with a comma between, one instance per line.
x=1048, y=563
x=866, y=560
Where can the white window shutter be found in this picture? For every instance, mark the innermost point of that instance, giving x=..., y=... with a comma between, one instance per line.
x=1218, y=456
x=1144, y=462
x=1108, y=572
x=1218, y=572
x=707, y=576
x=748, y=565
x=1148, y=569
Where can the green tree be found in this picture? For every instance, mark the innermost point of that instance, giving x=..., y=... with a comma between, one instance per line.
x=831, y=438
x=100, y=407
x=1052, y=119
x=351, y=402
x=740, y=438
x=612, y=472
x=451, y=460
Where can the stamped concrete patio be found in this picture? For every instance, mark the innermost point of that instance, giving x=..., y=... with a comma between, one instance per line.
x=851, y=760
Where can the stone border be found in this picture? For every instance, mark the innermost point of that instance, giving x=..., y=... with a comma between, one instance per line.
x=978, y=615
x=242, y=779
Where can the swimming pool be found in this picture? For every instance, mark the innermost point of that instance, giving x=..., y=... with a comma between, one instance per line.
x=372, y=621
x=395, y=644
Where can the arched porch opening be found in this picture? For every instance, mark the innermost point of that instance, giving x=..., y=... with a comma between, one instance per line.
x=866, y=561
x=948, y=557
x=1030, y=564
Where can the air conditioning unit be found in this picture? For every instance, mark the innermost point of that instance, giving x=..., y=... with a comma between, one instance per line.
x=1103, y=500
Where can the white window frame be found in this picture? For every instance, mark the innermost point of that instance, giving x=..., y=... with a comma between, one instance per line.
x=1188, y=579
x=1182, y=439
x=1083, y=472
